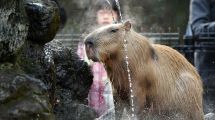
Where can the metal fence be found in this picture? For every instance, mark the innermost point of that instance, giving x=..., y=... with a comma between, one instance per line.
x=69, y=40
x=170, y=39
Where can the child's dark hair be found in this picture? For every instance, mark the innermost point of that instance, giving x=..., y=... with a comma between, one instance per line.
x=104, y=4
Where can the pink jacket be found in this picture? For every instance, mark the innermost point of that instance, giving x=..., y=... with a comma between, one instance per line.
x=100, y=96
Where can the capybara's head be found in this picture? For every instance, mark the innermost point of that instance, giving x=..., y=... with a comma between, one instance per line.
x=104, y=43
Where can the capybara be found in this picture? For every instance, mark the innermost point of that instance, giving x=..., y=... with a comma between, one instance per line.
x=165, y=84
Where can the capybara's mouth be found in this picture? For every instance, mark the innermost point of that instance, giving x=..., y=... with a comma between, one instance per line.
x=91, y=52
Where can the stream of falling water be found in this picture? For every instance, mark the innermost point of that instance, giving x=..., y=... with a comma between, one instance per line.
x=133, y=117
x=127, y=67
x=120, y=13
x=129, y=80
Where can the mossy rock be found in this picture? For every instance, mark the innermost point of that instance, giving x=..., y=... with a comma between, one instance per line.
x=23, y=97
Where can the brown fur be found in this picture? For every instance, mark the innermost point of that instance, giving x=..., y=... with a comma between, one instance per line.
x=164, y=82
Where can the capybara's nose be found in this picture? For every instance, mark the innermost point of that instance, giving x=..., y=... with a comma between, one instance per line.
x=89, y=42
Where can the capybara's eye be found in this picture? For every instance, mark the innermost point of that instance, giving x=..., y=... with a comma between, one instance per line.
x=114, y=30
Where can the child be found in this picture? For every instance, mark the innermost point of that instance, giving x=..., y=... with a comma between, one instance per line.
x=100, y=94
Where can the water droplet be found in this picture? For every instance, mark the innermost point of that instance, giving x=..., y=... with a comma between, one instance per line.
x=129, y=77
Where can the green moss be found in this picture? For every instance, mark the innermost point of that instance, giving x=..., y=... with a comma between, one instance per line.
x=54, y=26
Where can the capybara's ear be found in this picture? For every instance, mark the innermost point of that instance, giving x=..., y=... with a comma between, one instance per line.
x=127, y=25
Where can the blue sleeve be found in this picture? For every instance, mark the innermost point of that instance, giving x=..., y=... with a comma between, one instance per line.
x=200, y=19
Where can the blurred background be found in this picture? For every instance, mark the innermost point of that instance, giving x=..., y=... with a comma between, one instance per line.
x=146, y=15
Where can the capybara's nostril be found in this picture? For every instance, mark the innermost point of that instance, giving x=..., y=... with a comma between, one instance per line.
x=89, y=42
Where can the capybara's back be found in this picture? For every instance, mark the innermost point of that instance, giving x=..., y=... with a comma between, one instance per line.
x=179, y=86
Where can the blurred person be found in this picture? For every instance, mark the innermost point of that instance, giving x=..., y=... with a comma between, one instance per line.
x=202, y=16
x=201, y=21
x=100, y=95
x=106, y=16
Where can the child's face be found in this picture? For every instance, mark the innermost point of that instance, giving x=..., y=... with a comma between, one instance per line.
x=105, y=16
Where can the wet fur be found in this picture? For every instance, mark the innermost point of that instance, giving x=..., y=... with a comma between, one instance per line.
x=164, y=82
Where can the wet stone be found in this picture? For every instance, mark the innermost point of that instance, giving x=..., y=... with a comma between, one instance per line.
x=23, y=97
x=39, y=80
x=13, y=27
x=44, y=20
x=67, y=78
x=73, y=81
x=71, y=110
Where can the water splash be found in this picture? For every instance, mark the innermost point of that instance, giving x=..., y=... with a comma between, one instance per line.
x=120, y=14
x=48, y=55
x=118, y=6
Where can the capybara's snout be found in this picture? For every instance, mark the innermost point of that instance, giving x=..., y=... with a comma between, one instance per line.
x=90, y=48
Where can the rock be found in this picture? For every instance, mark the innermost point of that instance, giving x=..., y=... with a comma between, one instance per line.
x=23, y=97
x=74, y=79
x=71, y=72
x=13, y=27
x=68, y=79
x=74, y=111
x=44, y=20
x=43, y=77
